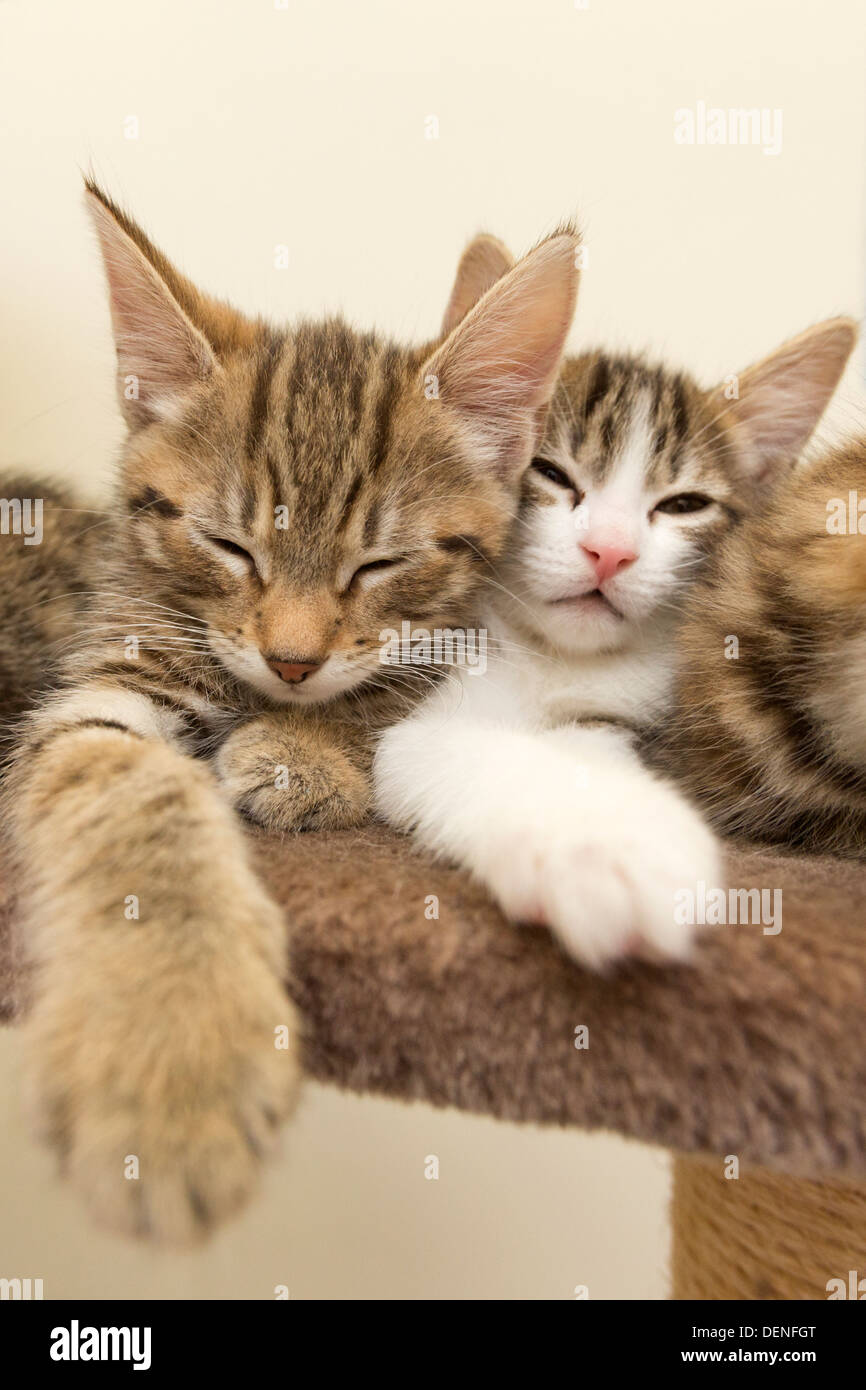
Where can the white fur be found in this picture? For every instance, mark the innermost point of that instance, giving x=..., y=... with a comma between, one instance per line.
x=138, y=712
x=564, y=826
x=562, y=823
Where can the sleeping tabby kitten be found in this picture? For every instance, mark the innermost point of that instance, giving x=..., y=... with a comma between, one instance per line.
x=284, y=495
x=770, y=733
x=528, y=775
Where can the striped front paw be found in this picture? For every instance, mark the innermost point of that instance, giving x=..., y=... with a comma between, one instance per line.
x=293, y=782
x=163, y=1096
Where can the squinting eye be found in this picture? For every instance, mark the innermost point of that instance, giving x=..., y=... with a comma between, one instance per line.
x=553, y=474
x=231, y=548
x=684, y=502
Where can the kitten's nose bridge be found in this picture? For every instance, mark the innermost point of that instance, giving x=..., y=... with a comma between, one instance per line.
x=295, y=632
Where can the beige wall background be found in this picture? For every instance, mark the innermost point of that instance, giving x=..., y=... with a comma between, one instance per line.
x=238, y=127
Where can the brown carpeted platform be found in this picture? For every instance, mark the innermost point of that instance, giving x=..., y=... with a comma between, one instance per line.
x=759, y=1049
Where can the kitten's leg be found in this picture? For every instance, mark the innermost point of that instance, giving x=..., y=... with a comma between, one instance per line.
x=563, y=829
x=287, y=771
x=152, y=1040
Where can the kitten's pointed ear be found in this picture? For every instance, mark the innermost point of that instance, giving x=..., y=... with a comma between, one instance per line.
x=498, y=368
x=780, y=400
x=484, y=261
x=161, y=354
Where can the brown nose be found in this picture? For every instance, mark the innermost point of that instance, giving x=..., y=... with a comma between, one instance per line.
x=293, y=671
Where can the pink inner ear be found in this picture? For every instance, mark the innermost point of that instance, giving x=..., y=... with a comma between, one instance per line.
x=504, y=356
x=783, y=398
x=483, y=262
x=156, y=342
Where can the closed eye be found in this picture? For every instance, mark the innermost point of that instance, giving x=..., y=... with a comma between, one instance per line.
x=232, y=548
x=683, y=503
x=375, y=567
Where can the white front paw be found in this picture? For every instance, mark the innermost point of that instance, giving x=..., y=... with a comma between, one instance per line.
x=605, y=879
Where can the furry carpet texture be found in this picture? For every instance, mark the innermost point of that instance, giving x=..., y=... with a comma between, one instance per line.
x=756, y=1049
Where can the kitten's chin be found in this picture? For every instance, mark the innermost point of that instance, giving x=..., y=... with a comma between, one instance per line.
x=581, y=626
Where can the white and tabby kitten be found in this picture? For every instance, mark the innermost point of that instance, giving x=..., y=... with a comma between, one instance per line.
x=528, y=775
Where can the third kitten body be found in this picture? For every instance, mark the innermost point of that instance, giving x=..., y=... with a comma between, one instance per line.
x=770, y=726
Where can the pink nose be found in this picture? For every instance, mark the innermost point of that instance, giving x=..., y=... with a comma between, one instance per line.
x=292, y=671
x=608, y=560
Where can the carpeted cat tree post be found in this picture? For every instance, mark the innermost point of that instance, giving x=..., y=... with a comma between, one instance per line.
x=765, y=1235
x=750, y=1065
